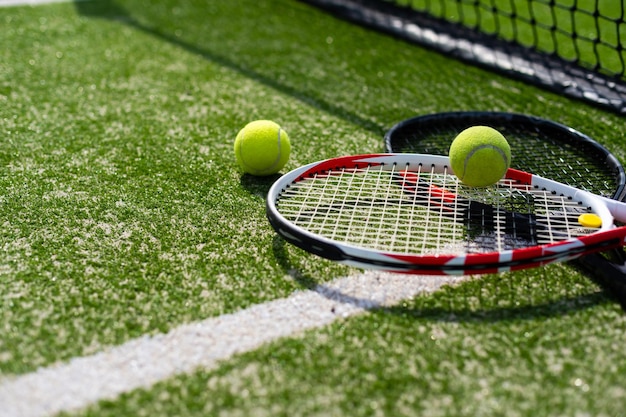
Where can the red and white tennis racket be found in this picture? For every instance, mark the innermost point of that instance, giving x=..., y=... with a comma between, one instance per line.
x=409, y=213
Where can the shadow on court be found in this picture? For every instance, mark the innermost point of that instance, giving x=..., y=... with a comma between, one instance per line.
x=111, y=10
x=465, y=301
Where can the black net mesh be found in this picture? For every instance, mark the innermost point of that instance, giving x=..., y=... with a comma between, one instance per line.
x=570, y=46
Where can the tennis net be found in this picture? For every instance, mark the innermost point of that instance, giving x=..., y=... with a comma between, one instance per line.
x=573, y=47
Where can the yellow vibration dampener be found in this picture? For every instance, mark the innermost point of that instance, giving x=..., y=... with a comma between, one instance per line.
x=590, y=220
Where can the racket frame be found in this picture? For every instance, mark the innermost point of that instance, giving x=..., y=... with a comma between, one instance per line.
x=607, y=269
x=509, y=260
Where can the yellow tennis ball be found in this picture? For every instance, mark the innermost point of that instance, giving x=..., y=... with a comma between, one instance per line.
x=262, y=147
x=480, y=156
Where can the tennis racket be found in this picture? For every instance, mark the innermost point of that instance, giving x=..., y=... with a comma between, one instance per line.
x=540, y=146
x=409, y=213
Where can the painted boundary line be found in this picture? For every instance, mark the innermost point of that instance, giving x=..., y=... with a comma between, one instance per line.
x=142, y=362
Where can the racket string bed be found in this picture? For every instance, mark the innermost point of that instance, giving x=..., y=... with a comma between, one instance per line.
x=428, y=219
x=387, y=222
x=413, y=228
x=402, y=220
x=335, y=225
x=557, y=217
x=488, y=230
x=322, y=219
x=384, y=215
x=454, y=232
x=487, y=226
x=424, y=211
x=350, y=219
x=416, y=210
x=375, y=197
x=365, y=206
x=499, y=228
x=319, y=203
x=301, y=214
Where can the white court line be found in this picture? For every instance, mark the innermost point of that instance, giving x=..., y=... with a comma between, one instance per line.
x=142, y=362
x=7, y=3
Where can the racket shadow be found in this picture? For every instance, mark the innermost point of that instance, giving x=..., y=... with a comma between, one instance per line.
x=257, y=185
x=490, y=298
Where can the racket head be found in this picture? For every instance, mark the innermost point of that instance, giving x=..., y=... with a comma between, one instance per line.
x=539, y=146
x=408, y=213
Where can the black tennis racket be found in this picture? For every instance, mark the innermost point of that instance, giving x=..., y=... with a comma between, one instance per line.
x=542, y=147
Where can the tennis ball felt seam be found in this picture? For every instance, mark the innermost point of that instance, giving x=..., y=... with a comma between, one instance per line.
x=278, y=156
x=479, y=148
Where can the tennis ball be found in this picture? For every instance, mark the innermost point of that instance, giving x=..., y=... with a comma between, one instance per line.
x=480, y=156
x=262, y=148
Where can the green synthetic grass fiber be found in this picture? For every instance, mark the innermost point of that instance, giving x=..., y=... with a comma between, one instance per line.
x=124, y=214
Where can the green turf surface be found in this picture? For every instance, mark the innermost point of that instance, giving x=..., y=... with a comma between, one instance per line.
x=125, y=214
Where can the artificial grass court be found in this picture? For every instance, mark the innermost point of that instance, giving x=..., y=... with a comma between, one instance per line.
x=124, y=214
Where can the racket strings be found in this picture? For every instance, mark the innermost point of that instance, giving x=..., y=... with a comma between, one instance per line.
x=538, y=147
x=540, y=216
x=558, y=218
x=374, y=208
x=493, y=222
x=402, y=209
